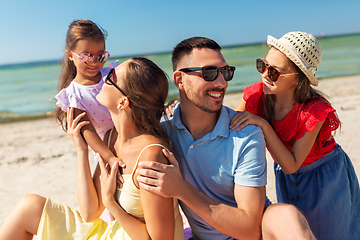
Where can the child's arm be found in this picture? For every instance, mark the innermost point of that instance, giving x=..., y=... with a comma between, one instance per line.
x=290, y=161
x=169, y=108
x=94, y=141
x=241, y=105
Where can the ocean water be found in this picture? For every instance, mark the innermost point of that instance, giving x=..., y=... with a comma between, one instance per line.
x=28, y=90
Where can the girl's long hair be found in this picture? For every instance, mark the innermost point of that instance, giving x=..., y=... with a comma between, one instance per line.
x=303, y=94
x=78, y=30
x=147, y=86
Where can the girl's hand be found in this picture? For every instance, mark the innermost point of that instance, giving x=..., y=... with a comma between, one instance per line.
x=244, y=118
x=108, y=182
x=169, y=108
x=74, y=129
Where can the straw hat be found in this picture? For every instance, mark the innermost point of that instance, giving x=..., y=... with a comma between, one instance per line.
x=302, y=49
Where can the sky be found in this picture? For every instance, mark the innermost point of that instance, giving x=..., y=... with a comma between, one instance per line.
x=34, y=30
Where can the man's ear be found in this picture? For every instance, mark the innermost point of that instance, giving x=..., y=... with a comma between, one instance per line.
x=69, y=55
x=178, y=80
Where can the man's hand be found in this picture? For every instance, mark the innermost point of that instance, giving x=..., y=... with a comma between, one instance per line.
x=162, y=179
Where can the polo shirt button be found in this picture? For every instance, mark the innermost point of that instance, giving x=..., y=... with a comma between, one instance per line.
x=294, y=184
x=191, y=146
x=293, y=199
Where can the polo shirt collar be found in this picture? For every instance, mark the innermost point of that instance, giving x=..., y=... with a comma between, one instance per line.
x=221, y=128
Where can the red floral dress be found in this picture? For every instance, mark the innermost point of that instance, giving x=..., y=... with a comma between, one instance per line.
x=301, y=119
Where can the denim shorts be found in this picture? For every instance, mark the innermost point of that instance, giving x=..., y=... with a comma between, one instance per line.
x=327, y=192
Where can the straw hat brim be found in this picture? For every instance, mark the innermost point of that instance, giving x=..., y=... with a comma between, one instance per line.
x=289, y=52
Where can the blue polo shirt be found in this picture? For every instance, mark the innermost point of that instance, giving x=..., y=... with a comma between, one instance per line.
x=216, y=162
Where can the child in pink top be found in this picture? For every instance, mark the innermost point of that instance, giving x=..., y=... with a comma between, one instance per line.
x=81, y=79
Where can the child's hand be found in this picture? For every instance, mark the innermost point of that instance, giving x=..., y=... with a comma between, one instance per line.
x=244, y=118
x=107, y=181
x=169, y=108
x=74, y=129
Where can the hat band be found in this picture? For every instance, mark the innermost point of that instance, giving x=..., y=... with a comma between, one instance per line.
x=311, y=69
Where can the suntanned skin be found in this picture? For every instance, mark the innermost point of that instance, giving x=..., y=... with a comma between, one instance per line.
x=89, y=74
x=279, y=221
x=290, y=161
x=97, y=192
x=241, y=222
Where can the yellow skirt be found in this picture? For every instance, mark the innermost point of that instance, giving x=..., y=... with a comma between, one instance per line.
x=61, y=222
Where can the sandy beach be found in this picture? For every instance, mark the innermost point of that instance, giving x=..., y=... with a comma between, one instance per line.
x=38, y=157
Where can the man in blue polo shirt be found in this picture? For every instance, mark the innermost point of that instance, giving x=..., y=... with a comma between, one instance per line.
x=221, y=187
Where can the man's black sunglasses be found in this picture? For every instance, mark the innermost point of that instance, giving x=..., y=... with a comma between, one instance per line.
x=210, y=73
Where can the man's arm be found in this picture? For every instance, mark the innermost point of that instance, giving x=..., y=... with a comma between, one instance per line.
x=242, y=222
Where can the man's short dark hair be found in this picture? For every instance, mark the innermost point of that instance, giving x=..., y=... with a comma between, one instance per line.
x=186, y=46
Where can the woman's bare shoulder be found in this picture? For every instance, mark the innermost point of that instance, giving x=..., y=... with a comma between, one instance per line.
x=152, y=150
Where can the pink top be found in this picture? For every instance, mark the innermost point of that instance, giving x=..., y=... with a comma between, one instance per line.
x=301, y=119
x=84, y=98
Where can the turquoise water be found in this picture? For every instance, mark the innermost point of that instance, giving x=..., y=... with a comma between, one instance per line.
x=28, y=90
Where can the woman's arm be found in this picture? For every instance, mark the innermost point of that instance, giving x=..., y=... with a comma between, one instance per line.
x=90, y=206
x=158, y=211
x=241, y=222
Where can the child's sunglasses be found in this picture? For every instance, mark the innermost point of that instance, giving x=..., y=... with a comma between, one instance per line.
x=210, y=73
x=262, y=65
x=87, y=58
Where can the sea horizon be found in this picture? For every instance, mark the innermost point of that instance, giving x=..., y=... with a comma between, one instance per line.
x=28, y=89
x=54, y=61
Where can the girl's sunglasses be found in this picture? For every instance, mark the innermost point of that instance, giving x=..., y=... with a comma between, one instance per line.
x=87, y=58
x=262, y=65
x=210, y=73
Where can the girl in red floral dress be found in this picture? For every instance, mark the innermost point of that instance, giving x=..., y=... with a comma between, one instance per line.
x=312, y=171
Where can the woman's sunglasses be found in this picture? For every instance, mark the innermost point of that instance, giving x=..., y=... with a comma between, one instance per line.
x=87, y=58
x=262, y=65
x=111, y=82
x=210, y=73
